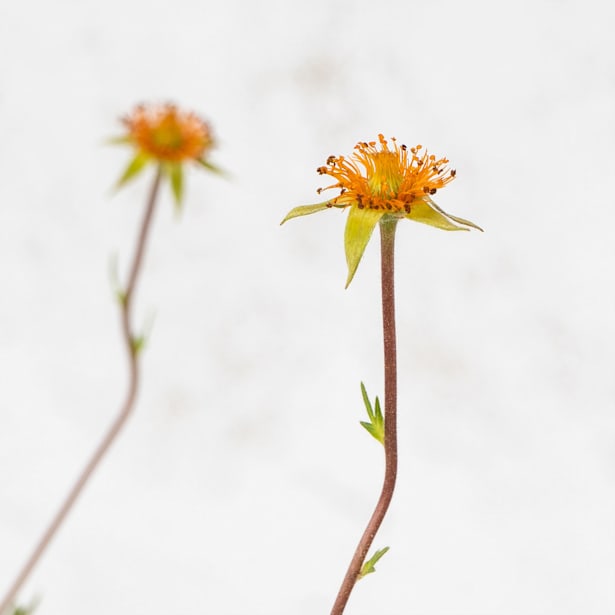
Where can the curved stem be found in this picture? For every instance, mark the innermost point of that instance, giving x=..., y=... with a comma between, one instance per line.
x=120, y=420
x=387, y=247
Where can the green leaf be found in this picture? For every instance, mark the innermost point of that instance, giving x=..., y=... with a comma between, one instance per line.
x=135, y=166
x=305, y=210
x=369, y=566
x=375, y=426
x=119, y=293
x=175, y=172
x=24, y=610
x=137, y=343
x=359, y=228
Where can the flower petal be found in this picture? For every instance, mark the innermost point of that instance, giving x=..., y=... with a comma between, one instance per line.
x=305, y=210
x=359, y=228
x=135, y=166
x=427, y=212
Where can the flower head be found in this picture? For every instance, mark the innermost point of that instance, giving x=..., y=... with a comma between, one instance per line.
x=378, y=181
x=166, y=136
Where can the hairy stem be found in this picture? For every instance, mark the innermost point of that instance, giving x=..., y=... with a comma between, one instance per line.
x=387, y=246
x=125, y=409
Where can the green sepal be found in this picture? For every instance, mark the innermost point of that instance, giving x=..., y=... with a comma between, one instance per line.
x=175, y=173
x=455, y=218
x=375, y=426
x=369, y=566
x=305, y=210
x=135, y=166
x=359, y=228
x=427, y=212
x=123, y=140
x=211, y=167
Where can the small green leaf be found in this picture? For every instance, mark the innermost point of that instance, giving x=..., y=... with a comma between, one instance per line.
x=119, y=293
x=375, y=425
x=369, y=566
x=24, y=610
x=137, y=343
x=305, y=210
x=135, y=166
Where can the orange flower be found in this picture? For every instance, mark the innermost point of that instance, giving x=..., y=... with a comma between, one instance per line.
x=378, y=181
x=390, y=181
x=168, y=137
x=168, y=134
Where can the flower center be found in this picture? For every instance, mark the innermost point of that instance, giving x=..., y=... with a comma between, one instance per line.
x=385, y=177
x=168, y=135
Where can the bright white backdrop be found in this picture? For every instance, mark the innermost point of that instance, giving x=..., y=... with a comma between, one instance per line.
x=243, y=482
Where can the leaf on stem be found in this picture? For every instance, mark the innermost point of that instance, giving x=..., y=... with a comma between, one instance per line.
x=118, y=291
x=375, y=426
x=138, y=343
x=369, y=566
x=23, y=610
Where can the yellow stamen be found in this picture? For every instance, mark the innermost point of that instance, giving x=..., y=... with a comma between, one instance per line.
x=380, y=178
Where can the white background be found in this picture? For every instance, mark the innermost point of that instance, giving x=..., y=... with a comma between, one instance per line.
x=243, y=481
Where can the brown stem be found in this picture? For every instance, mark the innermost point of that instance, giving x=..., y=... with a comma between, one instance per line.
x=120, y=420
x=387, y=249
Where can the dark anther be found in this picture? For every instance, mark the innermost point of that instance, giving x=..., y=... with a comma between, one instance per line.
x=453, y=172
x=433, y=191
